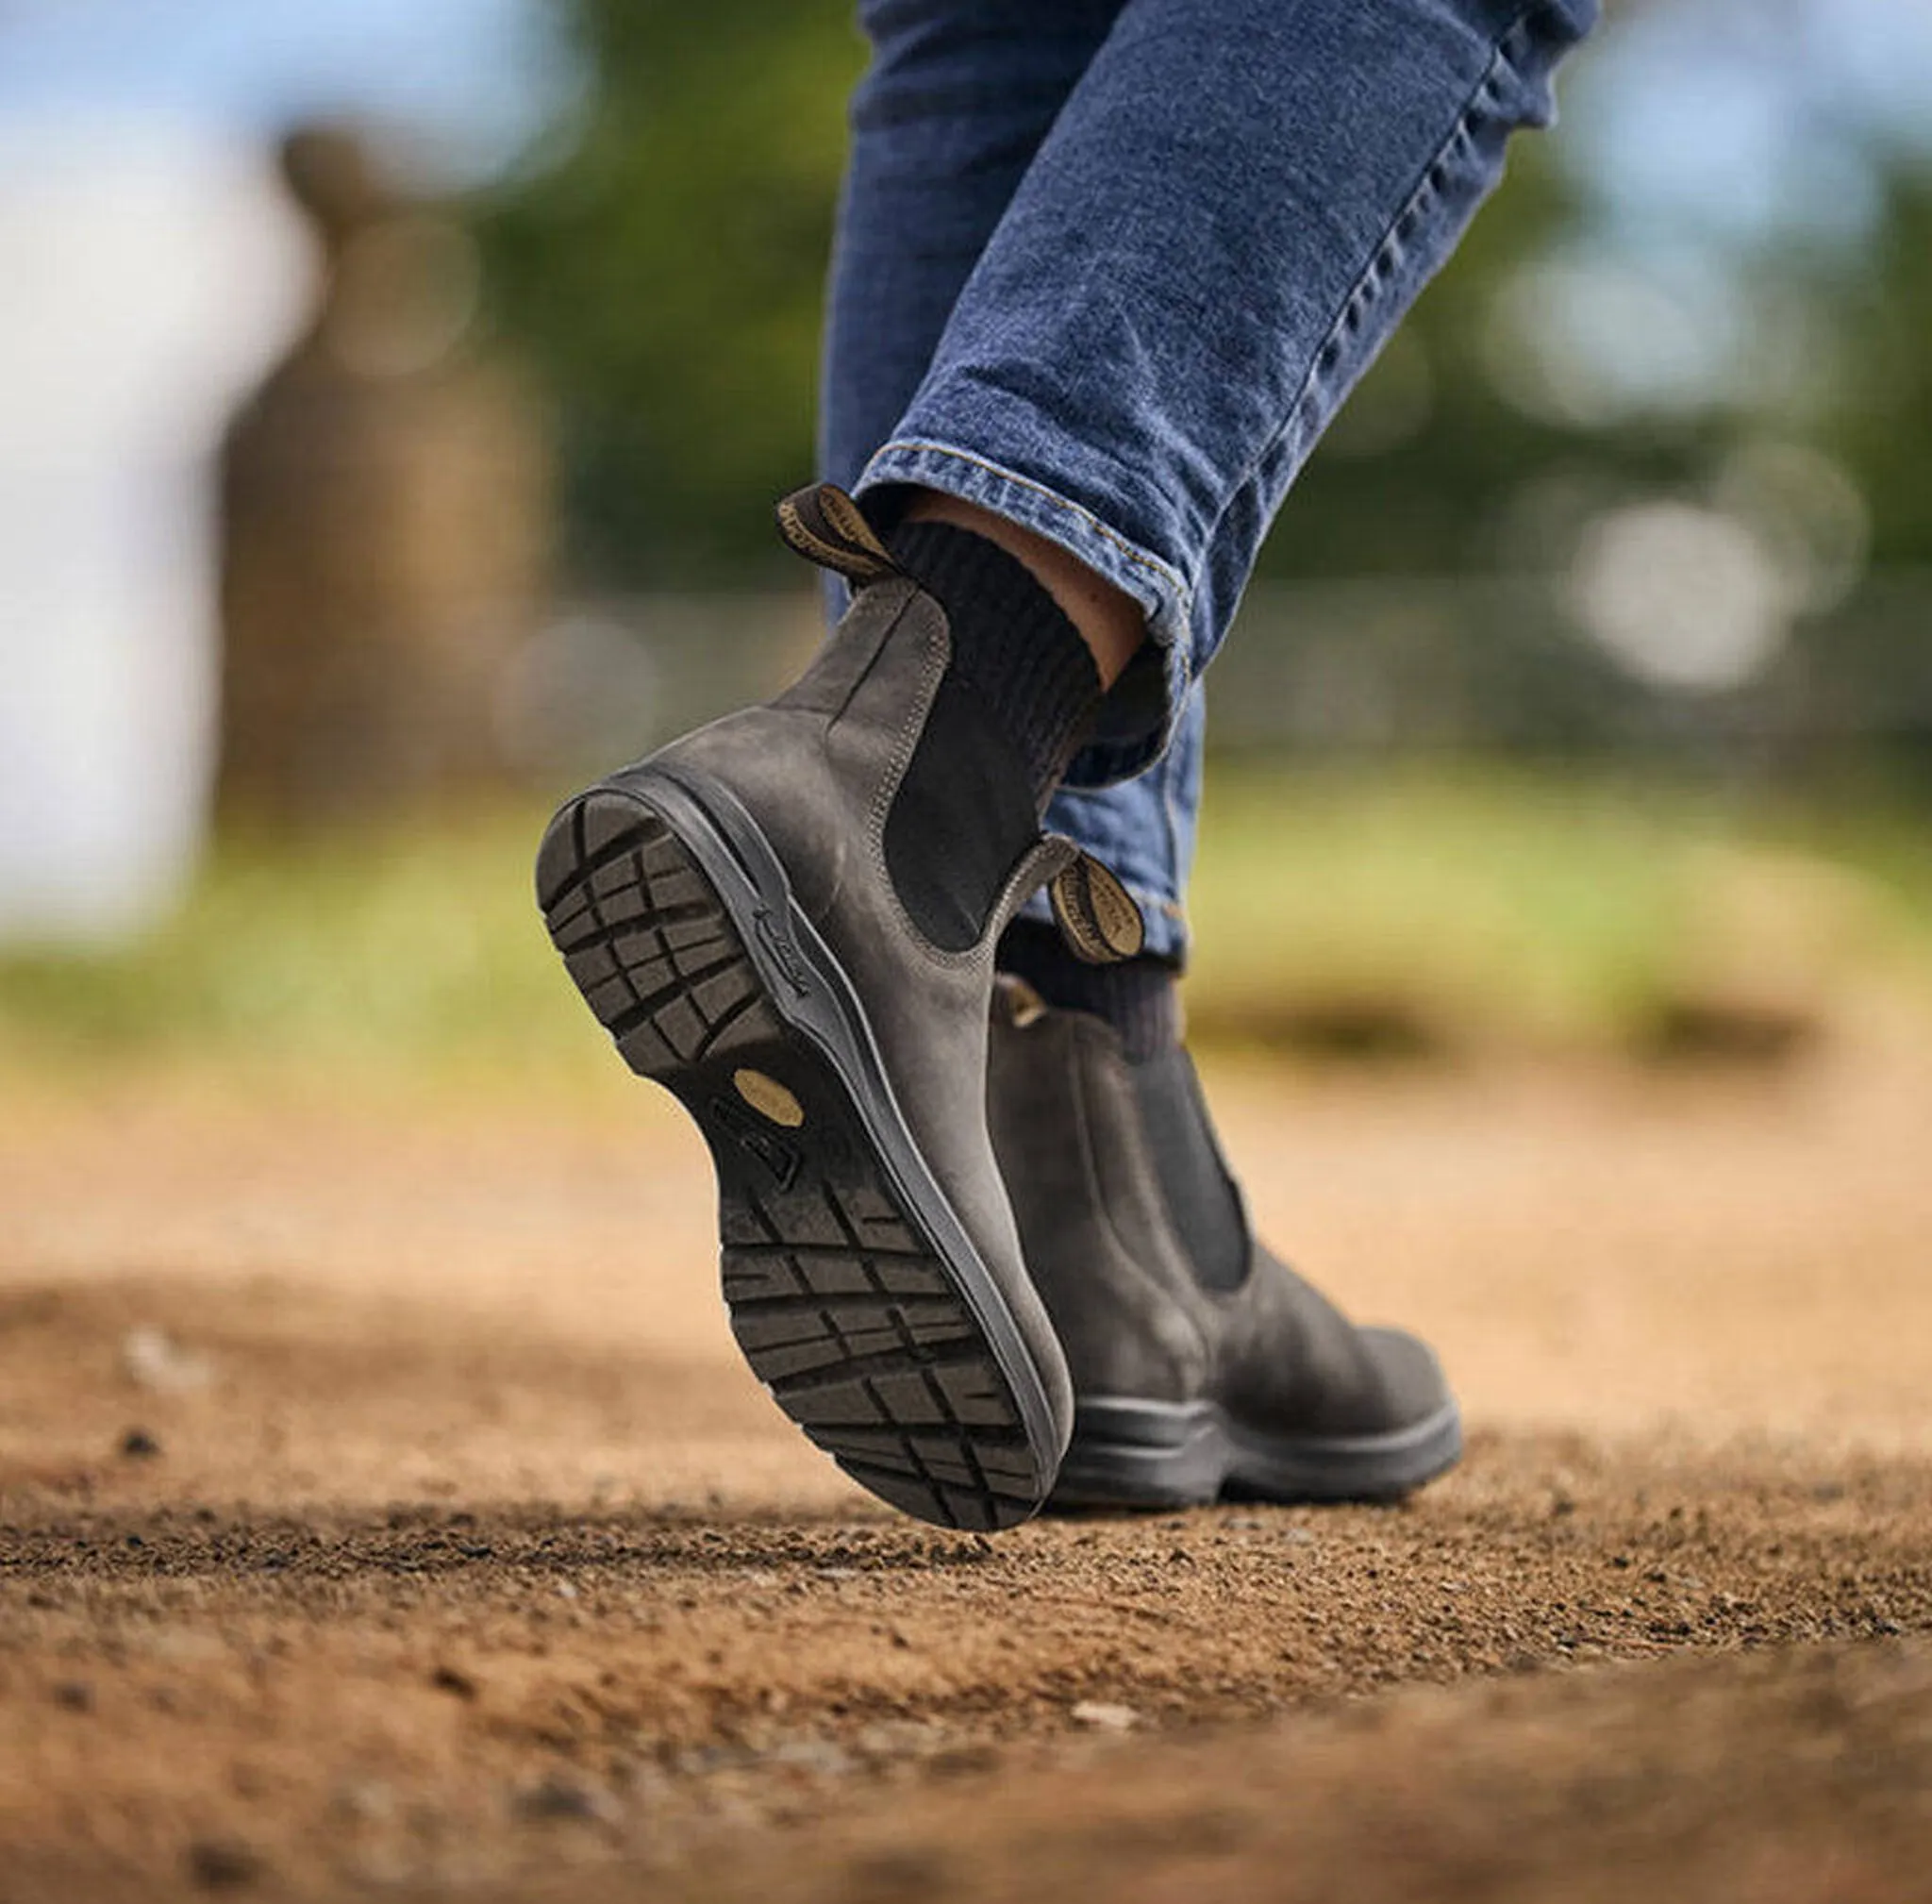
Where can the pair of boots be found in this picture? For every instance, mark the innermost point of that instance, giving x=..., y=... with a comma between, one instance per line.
x=948, y=1246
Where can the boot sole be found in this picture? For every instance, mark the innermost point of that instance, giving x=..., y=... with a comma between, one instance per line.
x=1149, y=1454
x=853, y=1288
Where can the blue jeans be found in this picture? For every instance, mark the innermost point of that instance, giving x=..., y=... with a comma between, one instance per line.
x=1107, y=267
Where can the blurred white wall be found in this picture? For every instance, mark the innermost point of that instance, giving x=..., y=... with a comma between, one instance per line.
x=150, y=270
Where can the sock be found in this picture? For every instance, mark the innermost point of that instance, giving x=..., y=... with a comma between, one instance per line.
x=1013, y=642
x=1138, y=997
x=1018, y=693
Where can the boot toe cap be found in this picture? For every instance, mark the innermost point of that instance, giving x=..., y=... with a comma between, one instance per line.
x=1410, y=1374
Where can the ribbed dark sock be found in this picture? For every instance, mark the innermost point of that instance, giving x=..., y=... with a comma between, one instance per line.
x=1018, y=693
x=1138, y=997
x=1012, y=644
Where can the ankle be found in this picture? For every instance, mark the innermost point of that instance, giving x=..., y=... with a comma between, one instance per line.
x=1017, y=693
x=1014, y=654
x=1111, y=622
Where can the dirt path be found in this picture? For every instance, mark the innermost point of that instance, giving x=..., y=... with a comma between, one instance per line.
x=382, y=1504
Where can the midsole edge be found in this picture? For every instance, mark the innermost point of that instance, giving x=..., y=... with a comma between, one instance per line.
x=1127, y=1422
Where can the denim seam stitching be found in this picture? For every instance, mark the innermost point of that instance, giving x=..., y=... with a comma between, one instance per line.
x=1426, y=188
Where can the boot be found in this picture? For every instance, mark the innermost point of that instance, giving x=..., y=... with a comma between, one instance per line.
x=1190, y=1385
x=747, y=913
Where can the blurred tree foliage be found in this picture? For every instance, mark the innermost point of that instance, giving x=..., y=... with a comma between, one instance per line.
x=666, y=271
x=1877, y=309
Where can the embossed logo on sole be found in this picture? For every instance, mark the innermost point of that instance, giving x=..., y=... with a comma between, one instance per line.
x=791, y=967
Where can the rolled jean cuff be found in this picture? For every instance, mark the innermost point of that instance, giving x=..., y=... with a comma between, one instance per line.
x=1141, y=711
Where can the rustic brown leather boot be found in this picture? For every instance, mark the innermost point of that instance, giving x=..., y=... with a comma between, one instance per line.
x=1189, y=1386
x=748, y=914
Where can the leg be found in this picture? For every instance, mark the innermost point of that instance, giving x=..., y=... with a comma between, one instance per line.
x=959, y=98
x=790, y=925
x=959, y=95
x=789, y=917
x=1106, y=380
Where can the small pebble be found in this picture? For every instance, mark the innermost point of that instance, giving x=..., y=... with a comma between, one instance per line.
x=150, y=1358
x=221, y=1863
x=137, y=1445
x=448, y=1679
x=1104, y=1717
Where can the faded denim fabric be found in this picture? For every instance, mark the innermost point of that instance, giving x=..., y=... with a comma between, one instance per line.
x=1107, y=268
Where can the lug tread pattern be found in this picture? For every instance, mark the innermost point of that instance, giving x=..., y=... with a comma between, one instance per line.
x=840, y=1305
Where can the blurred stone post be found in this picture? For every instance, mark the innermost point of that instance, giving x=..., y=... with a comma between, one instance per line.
x=387, y=503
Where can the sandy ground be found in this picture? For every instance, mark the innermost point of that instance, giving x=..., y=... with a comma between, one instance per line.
x=383, y=1510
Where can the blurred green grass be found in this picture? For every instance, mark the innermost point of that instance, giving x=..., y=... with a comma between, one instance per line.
x=414, y=945
x=1421, y=910
x=1433, y=908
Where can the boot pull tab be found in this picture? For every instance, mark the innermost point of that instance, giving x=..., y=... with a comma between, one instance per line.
x=825, y=525
x=1022, y=1006
x=1096, y=915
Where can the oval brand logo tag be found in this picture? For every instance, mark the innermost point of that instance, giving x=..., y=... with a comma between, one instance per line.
x=1096, y=913
x=768, y=1097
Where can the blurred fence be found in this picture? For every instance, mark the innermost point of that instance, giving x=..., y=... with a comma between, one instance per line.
x=1497, y=665
x=1509, y=664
